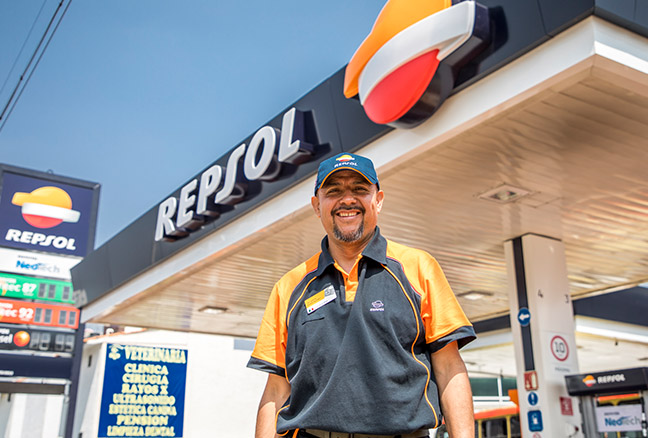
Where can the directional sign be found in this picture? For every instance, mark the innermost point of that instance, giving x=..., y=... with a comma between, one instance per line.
x=524, y=317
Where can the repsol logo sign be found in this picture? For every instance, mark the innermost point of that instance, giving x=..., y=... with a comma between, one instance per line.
x=611, y=378
x=217, y=189
x=39, y=239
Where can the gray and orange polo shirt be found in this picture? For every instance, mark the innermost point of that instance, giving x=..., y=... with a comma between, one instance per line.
x=355, y=347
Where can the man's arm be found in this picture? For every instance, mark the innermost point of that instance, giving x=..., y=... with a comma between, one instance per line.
x=454, y=389
x=275, y=394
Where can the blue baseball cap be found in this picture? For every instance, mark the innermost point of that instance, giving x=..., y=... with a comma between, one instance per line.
x=345, y=161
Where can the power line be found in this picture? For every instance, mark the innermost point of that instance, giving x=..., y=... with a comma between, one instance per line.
x=40, y=11
x=15, y=95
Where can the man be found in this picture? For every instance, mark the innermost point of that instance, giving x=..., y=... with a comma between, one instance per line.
x=362, y=339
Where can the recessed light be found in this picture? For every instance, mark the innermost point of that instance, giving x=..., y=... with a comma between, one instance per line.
x=211, y=310
x=474, y=295
x=504, y=194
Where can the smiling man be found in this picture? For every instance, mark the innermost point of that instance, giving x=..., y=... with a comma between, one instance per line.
x=361, y=340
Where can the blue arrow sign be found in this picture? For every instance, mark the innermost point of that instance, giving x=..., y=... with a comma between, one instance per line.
x=524, y=317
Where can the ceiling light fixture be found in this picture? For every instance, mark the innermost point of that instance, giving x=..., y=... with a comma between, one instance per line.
x=474, y=295
x=504, y=194
x=212, y=310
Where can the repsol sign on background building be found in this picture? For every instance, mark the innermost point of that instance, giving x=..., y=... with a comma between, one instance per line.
x=45, y=212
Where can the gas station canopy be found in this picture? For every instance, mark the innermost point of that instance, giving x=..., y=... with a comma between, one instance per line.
x=544, y=134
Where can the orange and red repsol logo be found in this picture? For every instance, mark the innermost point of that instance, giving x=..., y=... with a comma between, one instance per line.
x=44, y=215
x=407, y=65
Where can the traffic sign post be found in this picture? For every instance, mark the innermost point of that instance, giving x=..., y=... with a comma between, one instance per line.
x=542, y=323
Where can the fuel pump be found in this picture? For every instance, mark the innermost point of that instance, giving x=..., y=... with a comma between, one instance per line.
x=613, y=403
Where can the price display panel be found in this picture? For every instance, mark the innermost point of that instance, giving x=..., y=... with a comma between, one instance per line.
x=23, y=312
x=31, y=339
x=19, y=286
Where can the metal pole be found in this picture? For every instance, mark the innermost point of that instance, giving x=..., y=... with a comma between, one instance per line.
x=74, y=379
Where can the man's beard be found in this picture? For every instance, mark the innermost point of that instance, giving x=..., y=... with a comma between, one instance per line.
x=348, y=237
x=352, y=236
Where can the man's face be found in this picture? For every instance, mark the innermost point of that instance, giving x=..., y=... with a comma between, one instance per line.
x=348, y=206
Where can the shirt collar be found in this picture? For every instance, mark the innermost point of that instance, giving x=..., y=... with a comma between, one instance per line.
x=376, y=250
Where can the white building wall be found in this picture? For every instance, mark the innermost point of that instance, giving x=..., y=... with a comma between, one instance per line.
x=86, y=419
x=30, y=415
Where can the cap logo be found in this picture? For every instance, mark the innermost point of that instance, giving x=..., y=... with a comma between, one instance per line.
x=403, y=70
x=344, y=158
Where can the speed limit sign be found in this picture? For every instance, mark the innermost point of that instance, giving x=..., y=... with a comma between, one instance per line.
x=559, y=348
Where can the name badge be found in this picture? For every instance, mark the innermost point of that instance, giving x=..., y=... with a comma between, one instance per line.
x=320, y=298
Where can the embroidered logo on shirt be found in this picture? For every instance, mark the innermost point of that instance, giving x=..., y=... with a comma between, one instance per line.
x=319, y=299
x=377, y=306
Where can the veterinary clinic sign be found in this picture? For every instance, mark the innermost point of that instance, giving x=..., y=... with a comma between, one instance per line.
x=143, y=392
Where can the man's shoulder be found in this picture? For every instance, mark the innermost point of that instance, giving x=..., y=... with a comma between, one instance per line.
x=407, y=254
x=293, y=277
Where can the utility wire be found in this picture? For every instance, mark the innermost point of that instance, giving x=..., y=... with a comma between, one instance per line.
x=23, y=47
x=11, y=103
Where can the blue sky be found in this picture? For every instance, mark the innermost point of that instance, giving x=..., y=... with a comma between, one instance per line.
x=140, y=95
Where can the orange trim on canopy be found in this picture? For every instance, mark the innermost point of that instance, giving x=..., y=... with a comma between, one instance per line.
x=396, y=15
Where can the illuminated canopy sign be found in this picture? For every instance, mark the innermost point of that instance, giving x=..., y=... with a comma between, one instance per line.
x=407, y=66
x=203, y=199
x=46, y=214
x=143, y=392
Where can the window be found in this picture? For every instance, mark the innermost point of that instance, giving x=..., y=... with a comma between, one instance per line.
x=72, y=319
x=48, y=316
x=67, y=293
x=51, y=291
x=62, y=317
x=516, y=431
x=495, y=428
